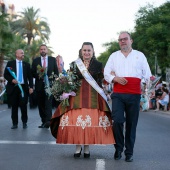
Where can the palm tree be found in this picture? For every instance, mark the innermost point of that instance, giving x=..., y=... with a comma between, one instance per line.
x=30, y=26
x=6, y=38
x=32, y=51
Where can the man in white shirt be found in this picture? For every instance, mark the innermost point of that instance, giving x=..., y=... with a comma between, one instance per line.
x=129, y=67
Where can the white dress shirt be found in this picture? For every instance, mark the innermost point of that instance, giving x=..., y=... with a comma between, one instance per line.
x=42, y=61
x=134, y=65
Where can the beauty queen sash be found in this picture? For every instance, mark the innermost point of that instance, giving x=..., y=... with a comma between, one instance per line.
x=90, y=79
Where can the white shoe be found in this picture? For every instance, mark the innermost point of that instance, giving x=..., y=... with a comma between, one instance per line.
x=156, y=110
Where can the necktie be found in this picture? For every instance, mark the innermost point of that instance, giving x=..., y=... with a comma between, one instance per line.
x=44, y=62
x=20, y=72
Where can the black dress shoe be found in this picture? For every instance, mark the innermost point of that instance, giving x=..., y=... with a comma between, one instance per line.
x=24, y=126
x=14, y=127
x=47, y=124
x=117, y=155
x=129, y=158
x=77, y=155
x=87, y=155
x=41, y=126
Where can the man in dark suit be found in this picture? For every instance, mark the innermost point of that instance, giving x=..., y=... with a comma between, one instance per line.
x=18, y=74
x=44, y=101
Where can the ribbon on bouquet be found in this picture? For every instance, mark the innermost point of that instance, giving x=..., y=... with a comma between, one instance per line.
x=90, y=79
x=47, y=85
x=46, y=81
x=3, y=91
x=66, y=95
x=15, y=77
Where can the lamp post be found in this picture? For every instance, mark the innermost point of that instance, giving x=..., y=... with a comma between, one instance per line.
x=155, y=65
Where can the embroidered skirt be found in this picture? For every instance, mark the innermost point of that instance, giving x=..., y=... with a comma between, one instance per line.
x=85, y=126
x=86, y=121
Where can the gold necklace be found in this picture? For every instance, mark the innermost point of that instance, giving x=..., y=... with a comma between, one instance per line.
x=86, y=63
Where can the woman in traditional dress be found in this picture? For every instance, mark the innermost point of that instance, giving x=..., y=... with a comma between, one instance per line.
x=87, y=120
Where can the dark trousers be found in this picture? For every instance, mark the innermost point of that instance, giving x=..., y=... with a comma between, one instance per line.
x=44, y=106
x=125, y=109
x=153, y=102
x=16, y=101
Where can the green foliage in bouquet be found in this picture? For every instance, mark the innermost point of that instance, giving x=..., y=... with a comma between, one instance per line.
x=65, y=84
x=41, y=71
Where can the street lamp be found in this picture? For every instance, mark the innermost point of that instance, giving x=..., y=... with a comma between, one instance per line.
x=155, y=65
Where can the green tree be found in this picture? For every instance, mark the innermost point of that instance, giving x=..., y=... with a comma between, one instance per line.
x=17, y=43
x=152, y=35
x=6, y=38
x=30, y=26
x=32, y=51
x=110, y=48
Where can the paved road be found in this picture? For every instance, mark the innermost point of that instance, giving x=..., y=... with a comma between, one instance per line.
x=35, y=149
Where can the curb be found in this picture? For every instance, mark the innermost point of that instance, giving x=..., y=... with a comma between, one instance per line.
x=162, y=112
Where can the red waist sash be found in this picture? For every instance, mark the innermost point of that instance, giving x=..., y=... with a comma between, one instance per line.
x=133, y=86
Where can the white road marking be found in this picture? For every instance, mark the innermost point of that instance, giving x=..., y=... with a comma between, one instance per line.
x=100, y=164
x=2, y=111
x=27, y=142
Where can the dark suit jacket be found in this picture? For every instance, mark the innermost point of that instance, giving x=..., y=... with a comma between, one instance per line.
x=52, y=67
x=28, y=80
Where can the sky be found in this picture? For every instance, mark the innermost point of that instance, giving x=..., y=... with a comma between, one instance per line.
x=73, y=22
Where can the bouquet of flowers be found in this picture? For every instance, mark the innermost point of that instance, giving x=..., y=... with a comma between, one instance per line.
x=65, y=85
x=41, y=71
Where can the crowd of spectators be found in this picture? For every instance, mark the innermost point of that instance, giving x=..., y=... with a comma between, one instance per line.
x=158, y=96
x=157, y=99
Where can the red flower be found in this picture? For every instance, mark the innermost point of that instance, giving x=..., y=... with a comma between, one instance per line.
x=42, y=70
x=152, y=78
